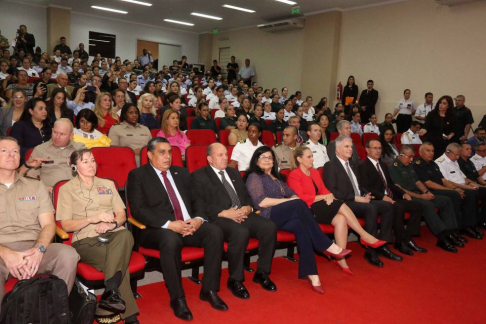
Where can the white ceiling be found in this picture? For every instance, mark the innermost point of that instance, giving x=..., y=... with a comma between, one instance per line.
x=266, y=11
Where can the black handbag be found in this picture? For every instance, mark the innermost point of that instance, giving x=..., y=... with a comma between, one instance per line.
x=82, y=305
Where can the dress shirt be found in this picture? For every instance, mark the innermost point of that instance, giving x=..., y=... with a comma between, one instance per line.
x=356, y=128
x=450, y=169
x=355, y=180
x=376, y=164
x=145, y=59
x=226, y=176
x=319, y=152
x=403, y=107
x=423, y=110
x=370, y=128
x=410, y=137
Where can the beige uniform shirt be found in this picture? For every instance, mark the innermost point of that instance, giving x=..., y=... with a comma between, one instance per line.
x=77, y=201
x=284, y=155
x=20, y=207
x=51, y=173
x=135, y=137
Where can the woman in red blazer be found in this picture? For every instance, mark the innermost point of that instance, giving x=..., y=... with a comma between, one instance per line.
x=308, y=185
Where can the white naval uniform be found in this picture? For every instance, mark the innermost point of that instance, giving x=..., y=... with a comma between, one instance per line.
x=450, y=170
x=287, y=115
x=479, y=162
x=370, y=128
x=410, y=138
x=242, y=153
x=319, y=152
x=423, y=110
x=404, y=108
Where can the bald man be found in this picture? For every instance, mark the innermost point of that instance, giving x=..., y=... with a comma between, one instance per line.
x=53, y=156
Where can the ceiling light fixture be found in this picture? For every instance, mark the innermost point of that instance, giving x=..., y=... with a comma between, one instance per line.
x=206, y=16
x=178, y=22
x=138, y=2
x=109, y=9
x=238, y=8
x=287, y=2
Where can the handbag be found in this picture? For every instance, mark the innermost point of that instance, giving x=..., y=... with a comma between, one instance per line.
x=82, y=305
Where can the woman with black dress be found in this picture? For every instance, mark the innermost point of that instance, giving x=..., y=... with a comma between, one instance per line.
x=439, y=125
x=350, y=94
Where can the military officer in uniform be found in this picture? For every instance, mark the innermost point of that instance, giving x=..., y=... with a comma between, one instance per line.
x=243, y=151
x=319, y=151
x=479, y=159
x=283, y=151
x=411, y=136
x=51, y=159
x=464, y=201
x=27, y=225
x=129, y=132
x=443, y=227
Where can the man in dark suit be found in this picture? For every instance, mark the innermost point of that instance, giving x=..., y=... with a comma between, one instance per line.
x=160, y=197
x=123, y=86
x=367, y=101
x=221, y=194
x=344, y=129
x=341, y=177
x=376, y=178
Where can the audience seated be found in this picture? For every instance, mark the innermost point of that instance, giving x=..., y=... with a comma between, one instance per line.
x=344, y=129
x=257, y=113
x=22, y=84
x=411, y=136
x=283, y=151
x=243, y=151
x=387, y=124
x=104, y=111
x=57, y=107
x=301, y=134
x=148, y=111
x=389, y=151
x=372, y=126
x=280, y=204
x=240, y=133
x=268, y=114
x=203, y=119
x=86, y=132
x=12, y=112
x=175, y=104
x=356, y=123
x=62, y=82
x=323, y=123
x=279, y=123
x=171, y=131
x=319, y=151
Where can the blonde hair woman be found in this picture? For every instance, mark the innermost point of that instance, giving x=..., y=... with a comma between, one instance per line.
x=104, y=111
x=170, y=130
x=148, y=111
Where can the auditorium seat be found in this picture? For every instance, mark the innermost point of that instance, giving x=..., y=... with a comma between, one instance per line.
x=218, y=122
x=230, y=151
x=334, y=135
x=286, y=240
x=201, y=136
x=223, y=136
x=154, y=132
x=417, y=148
x=28, y=154
x=397, y=139
x=191, y=257
x=268, y=121
x=114, y=162
x=251, y=249
x=279, y=137
x=369, y=136
x=189, y=121
x=356, y=139
x=361, y=152
x=213, y=112
x=89, y=275
x=268, y=139
x=196, y=157
x=190, y=112
x=285, y=173
x=176, y=156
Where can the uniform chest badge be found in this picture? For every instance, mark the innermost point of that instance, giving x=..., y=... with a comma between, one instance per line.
x=27, y=198
x=102, y=190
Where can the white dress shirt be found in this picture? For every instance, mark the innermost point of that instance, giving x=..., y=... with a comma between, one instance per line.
x=355, y=180
x=450, y=170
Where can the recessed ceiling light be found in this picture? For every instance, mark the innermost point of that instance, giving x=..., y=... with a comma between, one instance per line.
x=287, y=2
x=206, y=16
x=178, y=22
x=109, y=9
x=238, y=8
x=138, y=2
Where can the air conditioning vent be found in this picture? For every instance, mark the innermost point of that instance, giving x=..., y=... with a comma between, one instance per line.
x=278, y=26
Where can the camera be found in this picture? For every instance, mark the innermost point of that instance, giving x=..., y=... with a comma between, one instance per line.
x=19, y=31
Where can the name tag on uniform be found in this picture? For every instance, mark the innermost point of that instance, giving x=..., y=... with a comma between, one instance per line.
x=314, y=151
x=453, y=171
x=413, y=137
x=143, y=134
x=104, y=190
x=129, y=134
x=27, y=198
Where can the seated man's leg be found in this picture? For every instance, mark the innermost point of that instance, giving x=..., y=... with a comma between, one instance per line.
x=369, y=213
x=62, y=261
x=210, y=237
x=432, y=219
x=446, y=211
x=464, y=213
x=237, y=237
x=387, y=212
x=170, y=246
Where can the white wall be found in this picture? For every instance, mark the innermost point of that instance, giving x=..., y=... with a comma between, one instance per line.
x=35, y=18
x=128, y=33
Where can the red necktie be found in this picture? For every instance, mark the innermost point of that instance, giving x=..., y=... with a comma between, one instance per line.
x=173, y=197
x=388, y=191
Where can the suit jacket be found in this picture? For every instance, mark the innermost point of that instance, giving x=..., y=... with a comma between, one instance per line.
x=337, y=180
x=52, y=86
x=372, y=180
x=148, y=199
x=368, y=100
x=331, y=152
x=211, y=196
x=133, y=97
x=304, y=187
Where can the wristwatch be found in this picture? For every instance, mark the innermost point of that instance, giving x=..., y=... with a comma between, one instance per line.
x=40, y=248
x=27, y=166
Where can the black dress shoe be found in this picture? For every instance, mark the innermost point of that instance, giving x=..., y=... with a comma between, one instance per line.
x=213, y=298
x=372, y=257
x=403, y=248
x=179, y=306
x=459, y=237
x=387, y=253
x=482, y=225
x=452, y=240
x=238, y=289
x=472, y=233
x=478, y=231
x=264, y=281
x=411, y=244
x=111, y=301
x=446, y=246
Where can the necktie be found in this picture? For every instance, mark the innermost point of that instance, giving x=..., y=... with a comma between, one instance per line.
x=368, y=92
x=232, y=193
x=387, y=189
x=173, y=197
x=348, y=170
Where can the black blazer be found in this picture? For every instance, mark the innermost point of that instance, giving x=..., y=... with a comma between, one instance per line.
x=368, y=99
x=337, y=181
x=133, y=97
x=148, y=199
x=371, y=179
x=210, y=195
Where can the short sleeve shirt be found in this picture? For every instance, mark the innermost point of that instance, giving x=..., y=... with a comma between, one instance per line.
x=423, y=110
x=242, y=153
x=284, y=155
x=450, y=169
x=319, y=152
x=405, y=107
x=20, y=207
x=479, y=162
x=134, y=137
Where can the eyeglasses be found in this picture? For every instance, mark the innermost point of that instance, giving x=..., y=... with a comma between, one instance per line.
x=411, y=157
x=265, y=158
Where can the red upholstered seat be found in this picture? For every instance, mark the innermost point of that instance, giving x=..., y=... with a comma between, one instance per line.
x=285, y=172
x=154, y=132
x=334, y=135
x=361, y=221
x=268, y=139
x=9, y=284
x=201, y=136
x=230, y=151
x=252, y=245
x=176, y=156
x=189, y=121
x=218, y=122
x=268, y=121
x=356, y=139
x=196, y=157
x=326, y=228
x=213, y=112
x=397, y=139
x=279, y=137
x=284, y=236
x=28, y=154
x=242, y=173
x=114, y=162
x=223, y=136
x=369, y=136
x=88, y=272
x=361, y=152
x=188, y=253
x=190, y=112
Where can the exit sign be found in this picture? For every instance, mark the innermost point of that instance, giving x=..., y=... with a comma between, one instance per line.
x=296, y=10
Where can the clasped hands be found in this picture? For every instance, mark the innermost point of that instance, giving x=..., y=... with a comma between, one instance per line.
x=185, y=228
x=104, y=222
x=239, y=215
x=23, y=265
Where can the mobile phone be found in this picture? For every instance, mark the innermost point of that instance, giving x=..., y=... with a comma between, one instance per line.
x=91, y=88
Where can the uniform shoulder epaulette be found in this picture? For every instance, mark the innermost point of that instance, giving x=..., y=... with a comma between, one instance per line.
x=475, y=158
x=440, y=160
x=307, y=143
x=417, y=161
x=242, y=141
x=395, y=164
x=276, y=145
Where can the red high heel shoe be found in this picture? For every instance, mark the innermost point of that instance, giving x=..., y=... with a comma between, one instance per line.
x=344, y=270
x=317, y=289
x=340, y=255
x=375, y=245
